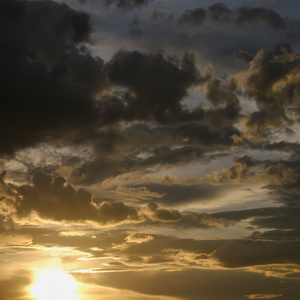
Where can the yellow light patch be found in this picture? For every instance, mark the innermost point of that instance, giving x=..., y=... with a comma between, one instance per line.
x=55, y=284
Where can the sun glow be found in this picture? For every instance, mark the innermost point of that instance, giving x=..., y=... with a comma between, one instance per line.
x=54, y=284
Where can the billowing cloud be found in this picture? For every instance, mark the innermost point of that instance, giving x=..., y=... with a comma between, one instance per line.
x=51, y=199
x=220, y=13
x=192, y=18
x=163, y=215
x=158, y=84
x=47, y=75
x=272, y=80
x=240, y=172
x=67, y=102
x=254, y=14
x=243, y=55
x=279, y=174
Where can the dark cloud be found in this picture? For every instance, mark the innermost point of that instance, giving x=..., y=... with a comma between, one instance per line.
x=279, y=174
x=284, y=217
x=186, y=219
x=238, y=173
x=280, y=235
x=142, y=146
x=122, y=4
x=55, y=91
x=103, y=168
x=223, y=95
x=243, y=55
x=51, y=199
x=163, y=215
x=246, y=253
x=128, y=3
x=249, y=170
x=158, y=84
x=47, y=82
x=68, y=80
x=255, y=14
x=217, y=93
x=234, y=253
x=165, y=156
x=192, y=18
x=247, y=160
x=176, y=194
x=272, y=81
x=248, y=213
x=220, y=13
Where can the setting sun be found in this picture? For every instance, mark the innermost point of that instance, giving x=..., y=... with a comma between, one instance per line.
x=54, y=284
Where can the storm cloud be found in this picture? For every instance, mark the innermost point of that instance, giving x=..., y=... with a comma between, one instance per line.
x=52, y=200
x=220, y=13
x=46, y=76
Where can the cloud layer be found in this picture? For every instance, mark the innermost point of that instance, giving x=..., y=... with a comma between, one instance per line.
x=151, y=148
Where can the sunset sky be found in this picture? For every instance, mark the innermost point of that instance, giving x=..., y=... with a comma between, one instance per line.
x=149, y=149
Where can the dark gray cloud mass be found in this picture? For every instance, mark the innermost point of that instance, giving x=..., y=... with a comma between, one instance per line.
x=220, y=13
x=272, y=81
x=52, y=200
x=192, y=18
x=270, y=17
x=163, y=215
x=47, y=82
x=158, y=84
x=246, y=253
x=56, y=91
x=121, y=4
x=243, y=55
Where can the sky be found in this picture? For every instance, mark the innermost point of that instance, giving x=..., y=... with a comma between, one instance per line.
x=149, y=149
